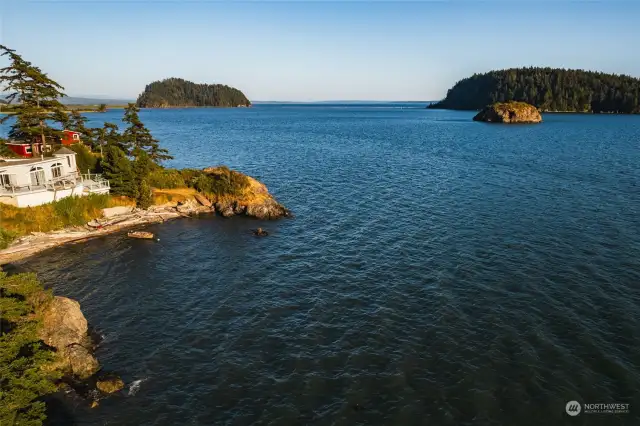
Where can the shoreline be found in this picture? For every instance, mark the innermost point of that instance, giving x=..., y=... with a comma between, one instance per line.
x=36, y=242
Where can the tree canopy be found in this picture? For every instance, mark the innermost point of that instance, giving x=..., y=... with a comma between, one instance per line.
x=549, y=89
x=176, y=92
x=23, y=378
x=137, y=137
x=38, y=98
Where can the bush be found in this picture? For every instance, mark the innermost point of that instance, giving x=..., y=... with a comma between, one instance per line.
x=145, y=196
x=75, y=211
x=69, y=211
x=6, y=237
x=166, y=179
x=220, y=181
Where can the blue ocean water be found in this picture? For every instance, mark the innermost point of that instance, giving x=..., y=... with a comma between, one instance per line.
x=438, y=271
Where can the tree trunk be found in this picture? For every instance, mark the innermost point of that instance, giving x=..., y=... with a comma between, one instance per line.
x=42, y=138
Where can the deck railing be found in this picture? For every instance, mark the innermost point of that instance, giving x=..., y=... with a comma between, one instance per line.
x=94, y=182
x=68, y=181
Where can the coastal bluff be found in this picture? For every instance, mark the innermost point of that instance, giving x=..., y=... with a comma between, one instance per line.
x=509, y=112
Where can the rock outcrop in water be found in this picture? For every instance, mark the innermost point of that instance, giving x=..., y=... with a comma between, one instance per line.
x=65, y=328
x=509, y=112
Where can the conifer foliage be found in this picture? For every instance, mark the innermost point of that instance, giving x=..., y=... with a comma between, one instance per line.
x=137, y=137
x=35, y=96
x=22, y=355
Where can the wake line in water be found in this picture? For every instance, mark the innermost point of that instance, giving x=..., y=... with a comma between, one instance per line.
x=134, y=387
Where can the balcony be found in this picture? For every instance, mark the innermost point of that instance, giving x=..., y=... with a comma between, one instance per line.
x=38, y=184
x=95, y=183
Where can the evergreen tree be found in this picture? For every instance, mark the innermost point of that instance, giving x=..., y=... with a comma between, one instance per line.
x=102, y=108
x=23, y=378
x=137, y=136
x=78, y=123
x=141, y=168
x=62, y=117
x=37, y=95
x=145, y=196
x=116, y=167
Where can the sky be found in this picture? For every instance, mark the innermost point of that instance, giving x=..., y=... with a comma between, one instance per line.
x=311, y=51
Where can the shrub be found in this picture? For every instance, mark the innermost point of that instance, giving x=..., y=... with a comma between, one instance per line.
x=6, y=237
x=145, y=196
x=221, y=181
x=166, y=179
x=69, y=211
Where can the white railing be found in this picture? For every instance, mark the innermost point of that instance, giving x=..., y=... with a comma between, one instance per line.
x=94, y=182
x=67, y=181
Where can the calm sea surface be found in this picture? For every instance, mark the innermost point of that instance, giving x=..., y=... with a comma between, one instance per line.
x=438, y=272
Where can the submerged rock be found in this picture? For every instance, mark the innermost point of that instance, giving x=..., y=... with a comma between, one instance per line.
x=260, y=232
x=65, y=328
x=509, y=112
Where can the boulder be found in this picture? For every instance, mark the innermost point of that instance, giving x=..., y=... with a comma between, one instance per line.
x=202, y=200
x=509, y=112
x=110, y=384
x=81, y=362
x=226, y=209
x=63, y=323
x=186, y=207
x=65, y=328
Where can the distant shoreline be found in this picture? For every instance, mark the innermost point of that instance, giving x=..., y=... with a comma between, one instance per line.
x=71, y=108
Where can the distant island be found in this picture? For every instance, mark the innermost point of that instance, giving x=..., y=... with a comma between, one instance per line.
x=176, y=93
x=548, y=89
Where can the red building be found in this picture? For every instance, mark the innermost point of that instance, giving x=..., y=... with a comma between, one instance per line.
x=69, y=137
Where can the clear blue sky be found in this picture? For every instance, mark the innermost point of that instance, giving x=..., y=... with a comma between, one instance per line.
x=301, y=50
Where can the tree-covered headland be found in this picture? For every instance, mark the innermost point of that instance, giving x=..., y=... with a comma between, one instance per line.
x=549, y=89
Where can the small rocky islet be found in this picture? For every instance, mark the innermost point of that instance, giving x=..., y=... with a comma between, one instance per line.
x=509, y=112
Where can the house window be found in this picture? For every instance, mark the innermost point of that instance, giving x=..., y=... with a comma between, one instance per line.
x=76, y=137
x=7, y=179
x=28, y=150
x=56, y=170
x=37, y=176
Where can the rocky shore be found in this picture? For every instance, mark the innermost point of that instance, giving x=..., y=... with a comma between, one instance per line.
x=257, y=203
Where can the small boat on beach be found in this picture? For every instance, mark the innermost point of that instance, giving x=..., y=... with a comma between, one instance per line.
x=140, y=234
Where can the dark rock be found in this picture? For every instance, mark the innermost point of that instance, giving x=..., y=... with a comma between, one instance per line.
x=260, y=232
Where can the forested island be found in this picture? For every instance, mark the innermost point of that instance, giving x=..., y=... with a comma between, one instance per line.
x=176, y=92
x=549, y=89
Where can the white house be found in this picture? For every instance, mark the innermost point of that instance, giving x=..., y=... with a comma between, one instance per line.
x=36, y=181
